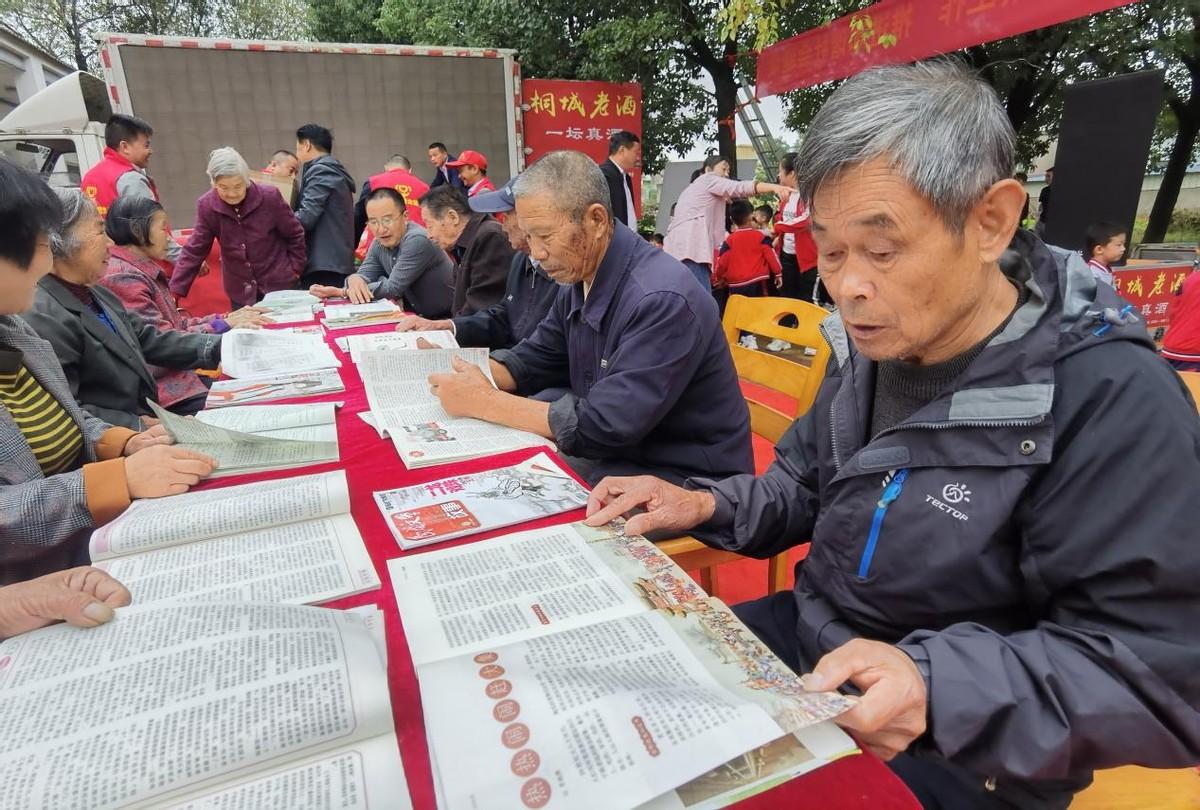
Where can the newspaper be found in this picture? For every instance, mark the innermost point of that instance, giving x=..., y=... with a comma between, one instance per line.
x=256, y=352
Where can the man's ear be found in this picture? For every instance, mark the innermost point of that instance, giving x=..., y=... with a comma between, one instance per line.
x=997, y=216
x=597, y=217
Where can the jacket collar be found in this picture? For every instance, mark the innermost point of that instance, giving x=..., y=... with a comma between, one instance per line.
x=121, y=343
x=116, y=157
x=467, y=237
x=609, y=278
x=136, y=261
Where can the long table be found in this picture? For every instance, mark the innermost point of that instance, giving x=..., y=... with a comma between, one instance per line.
x=371, y=463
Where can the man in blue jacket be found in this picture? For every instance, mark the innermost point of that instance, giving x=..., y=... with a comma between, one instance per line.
x=1000, y=479
x=444, y=174
x=651, y=382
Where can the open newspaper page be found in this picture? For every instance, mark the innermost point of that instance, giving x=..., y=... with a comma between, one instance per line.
x=477, y=502
x=274, y=386
x=759, y=770
x=611, y=714
x=254, y=352
x=356, y=345
x=528, y=584
x=425, y=435
x=237, y=453
x=395, y=379
x=289, y=701
x=316, y=422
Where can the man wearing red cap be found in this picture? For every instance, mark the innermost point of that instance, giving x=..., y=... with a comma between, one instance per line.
x=472, y=168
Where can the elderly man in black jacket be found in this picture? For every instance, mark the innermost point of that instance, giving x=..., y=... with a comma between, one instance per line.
x=477, y=243
x=528, y=293
x=1000, y=479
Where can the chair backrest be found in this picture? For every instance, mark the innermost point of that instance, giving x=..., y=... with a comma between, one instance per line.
x=793, y=373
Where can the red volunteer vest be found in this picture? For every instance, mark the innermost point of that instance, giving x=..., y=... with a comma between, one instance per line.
x=100, y=182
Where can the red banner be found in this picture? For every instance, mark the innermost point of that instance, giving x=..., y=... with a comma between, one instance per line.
x=1150, y=289
x=898, y=31
x=581, y=116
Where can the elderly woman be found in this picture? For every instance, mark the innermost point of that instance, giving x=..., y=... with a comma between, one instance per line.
x=63, y=472
x=104, y=348
x=262, y=242
x=698, y=224
x=138, y=227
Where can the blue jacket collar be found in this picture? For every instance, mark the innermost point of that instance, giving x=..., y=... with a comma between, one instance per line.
x=609, y=278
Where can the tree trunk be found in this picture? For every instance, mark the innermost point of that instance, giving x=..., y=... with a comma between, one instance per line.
x=725, y=84
x=1172, y=179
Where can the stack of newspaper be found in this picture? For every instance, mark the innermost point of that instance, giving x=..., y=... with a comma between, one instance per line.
x=577, y=667
x=404, y=409
x=345, y=316
x=258, y=352
x=356, y=345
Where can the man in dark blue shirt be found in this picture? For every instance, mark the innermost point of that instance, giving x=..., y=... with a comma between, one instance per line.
x=652, y=384
x=527, y=295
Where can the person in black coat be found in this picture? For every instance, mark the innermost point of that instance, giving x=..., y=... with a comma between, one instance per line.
x=624, y=155
x=440, y=157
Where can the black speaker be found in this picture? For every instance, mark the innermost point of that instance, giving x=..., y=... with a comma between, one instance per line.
x=1103, y=145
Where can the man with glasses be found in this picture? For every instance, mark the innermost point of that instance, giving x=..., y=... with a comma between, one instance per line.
x=402, y=262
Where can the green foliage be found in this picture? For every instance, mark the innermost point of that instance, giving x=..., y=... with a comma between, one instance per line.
x=346, y=21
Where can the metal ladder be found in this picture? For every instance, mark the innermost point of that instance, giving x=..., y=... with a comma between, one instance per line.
x=756, y=128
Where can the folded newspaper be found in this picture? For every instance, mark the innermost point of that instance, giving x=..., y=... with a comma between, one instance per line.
x=255, y=352
x=266, y=388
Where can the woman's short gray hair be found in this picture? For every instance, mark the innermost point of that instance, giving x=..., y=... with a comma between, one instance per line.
x=225, y=161
x=77, y=207
x=941, y=127
x=572, y=179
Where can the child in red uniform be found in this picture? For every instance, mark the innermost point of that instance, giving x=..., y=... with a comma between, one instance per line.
x=1181, y=344
x=746, y=262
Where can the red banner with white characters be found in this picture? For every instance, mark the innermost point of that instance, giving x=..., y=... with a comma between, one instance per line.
x=896, y=31
x=1150, y=289
x=581, y=116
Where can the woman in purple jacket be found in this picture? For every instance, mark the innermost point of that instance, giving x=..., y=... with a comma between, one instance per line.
x=262, y=242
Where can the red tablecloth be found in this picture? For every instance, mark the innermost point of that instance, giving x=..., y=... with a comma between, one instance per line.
x=859, y=781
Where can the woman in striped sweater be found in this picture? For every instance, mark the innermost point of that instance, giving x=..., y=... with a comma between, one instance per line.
x=62, y=471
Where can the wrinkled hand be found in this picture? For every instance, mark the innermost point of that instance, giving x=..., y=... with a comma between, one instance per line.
x=84, y=597
x=148, y=422
x=165, y=470
x=779, y=280
x=204, y=269
x=415, y=323
x=422, y=343
x=465, y=392
x=891, y=712
x=248, y=318
x=357, y=290
x=667, y=506
x=325, y=291
x=147, y=438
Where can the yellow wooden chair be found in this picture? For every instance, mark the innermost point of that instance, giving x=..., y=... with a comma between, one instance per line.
x=794, y=373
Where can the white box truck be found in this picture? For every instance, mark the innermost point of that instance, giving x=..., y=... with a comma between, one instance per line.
x=199, y=94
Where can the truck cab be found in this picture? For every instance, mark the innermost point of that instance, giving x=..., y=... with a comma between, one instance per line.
x=59, y=132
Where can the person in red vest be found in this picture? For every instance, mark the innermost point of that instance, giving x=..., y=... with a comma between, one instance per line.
x=1181, y=344
x=397, y=174
x=122, y=170
x=472, y=168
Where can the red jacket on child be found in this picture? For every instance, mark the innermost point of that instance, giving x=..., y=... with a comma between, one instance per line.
x=746, y=257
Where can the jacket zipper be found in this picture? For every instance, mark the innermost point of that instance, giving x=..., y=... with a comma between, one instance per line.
x=890, y=494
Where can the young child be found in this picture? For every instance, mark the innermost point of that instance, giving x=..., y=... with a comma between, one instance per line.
x=1103, y=246
x=763, y=219
x=746, y=262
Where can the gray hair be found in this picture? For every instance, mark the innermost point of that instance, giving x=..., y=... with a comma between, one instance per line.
x=76, y=207
x=941, y=127
x=224, y=161
x=572, y=179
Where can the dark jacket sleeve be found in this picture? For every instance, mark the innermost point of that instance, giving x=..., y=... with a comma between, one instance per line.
x=171, y=348
x=64, y=332
x=318, y=184
x=761, y=516
x=616, y=190
x=1110, y=563
x=360, y=211
x=492, y=327
x=489, y=270
x=541, y=361
x=193, y=254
